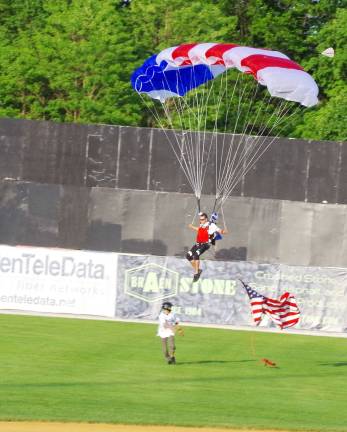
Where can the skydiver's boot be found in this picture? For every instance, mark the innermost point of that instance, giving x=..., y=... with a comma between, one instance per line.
x=197, y=276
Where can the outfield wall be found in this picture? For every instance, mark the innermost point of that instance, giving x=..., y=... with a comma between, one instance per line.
x=120, y=189
x=133, y=287
x=140, y=158
x=148, y=222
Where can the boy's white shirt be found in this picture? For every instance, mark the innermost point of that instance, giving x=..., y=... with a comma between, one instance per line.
x=166, y=324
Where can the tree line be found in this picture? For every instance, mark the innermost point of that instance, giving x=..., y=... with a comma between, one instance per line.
x=71, y=60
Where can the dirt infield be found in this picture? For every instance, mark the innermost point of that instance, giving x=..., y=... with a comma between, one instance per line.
x=93, y=427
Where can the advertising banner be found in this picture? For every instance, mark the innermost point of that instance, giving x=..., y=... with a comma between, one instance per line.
x=134, y=287
x=144, y=282
x=58, y=280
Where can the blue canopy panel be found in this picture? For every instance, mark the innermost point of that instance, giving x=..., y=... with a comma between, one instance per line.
x=164, y=81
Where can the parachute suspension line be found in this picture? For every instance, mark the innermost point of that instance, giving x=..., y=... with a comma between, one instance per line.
x=220, y=161
x=197, y=132
x=197, y=140
x=183, y=166
x=229, y=169
x=232, y=153
x=196, y=212
x=230, y=150
x=187, y=145
x=217, y=99
x=214, y=136
x=239, y=160
x=199, y=209
x=191, y=141
x=224, y=223
x=196, y=135
x=281, y=117
x=185, y=137
x=178, y=145
x=249, y=163
x=237, y=173
x=214, y=205
x=259, y=153
x=201, y=135
x=179, y=153
x=189, y=148
x=235, y=178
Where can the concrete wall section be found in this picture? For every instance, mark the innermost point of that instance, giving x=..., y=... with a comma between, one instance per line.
x=155, y=223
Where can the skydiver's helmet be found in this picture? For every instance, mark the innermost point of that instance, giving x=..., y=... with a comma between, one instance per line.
x=214, y=217
x=167, y=306
x=217, y=235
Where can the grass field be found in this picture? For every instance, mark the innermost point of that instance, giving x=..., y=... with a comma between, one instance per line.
x=103, y=371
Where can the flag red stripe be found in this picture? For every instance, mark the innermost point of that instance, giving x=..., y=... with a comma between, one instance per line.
x=284, y=312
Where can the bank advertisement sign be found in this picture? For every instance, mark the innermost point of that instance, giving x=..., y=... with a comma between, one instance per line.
x=57, y=280
x=144, y=282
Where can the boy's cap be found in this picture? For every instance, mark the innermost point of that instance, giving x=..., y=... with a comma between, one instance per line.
x=167, y=306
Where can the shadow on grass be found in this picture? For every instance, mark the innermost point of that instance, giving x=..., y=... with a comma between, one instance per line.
x=334, y=364
x=213, y=362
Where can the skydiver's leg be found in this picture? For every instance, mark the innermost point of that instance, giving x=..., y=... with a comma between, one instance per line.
x=196, y=265
x=192, y=257
x=200, y=250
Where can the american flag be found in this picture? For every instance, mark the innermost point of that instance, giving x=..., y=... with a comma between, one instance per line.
x=283, y=312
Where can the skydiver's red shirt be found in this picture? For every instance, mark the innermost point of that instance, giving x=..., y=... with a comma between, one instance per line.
x=203, y=236
x=205, y=231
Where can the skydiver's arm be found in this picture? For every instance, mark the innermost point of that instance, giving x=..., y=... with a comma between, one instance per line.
x=193, y=227
x=222, y=231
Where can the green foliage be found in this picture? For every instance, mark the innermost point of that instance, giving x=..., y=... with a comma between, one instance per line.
x=71, y=60
x=17, y=15
x=75, y=69
x=329, y=119
x=103, y=371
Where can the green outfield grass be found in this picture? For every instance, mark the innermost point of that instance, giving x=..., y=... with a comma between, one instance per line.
x=104, y=371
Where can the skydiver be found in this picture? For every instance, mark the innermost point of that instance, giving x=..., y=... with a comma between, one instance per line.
x=207, y=232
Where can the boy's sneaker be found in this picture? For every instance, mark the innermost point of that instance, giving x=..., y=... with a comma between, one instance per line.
x=173, y=360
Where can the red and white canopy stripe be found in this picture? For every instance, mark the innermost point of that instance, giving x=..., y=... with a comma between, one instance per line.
x=282, y=76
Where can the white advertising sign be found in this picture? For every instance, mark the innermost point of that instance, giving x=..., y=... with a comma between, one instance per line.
x=58, y=280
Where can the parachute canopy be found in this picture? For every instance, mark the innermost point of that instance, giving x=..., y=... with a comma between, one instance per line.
x=177, y=70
